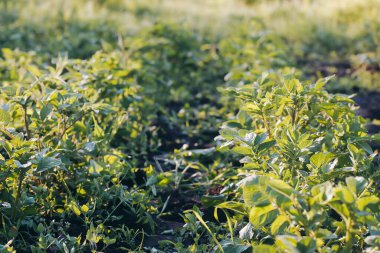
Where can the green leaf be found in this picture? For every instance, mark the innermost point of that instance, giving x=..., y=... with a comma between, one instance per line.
x=353, y=148
x=278, y=224
x=366, y=147
x=266, y=145
x=341, y=209
x=320, y=159
x=262, y=215
x=242, y=150
x=84, y=208
x=322, y=82
x=46, y=163
x=250, y=189
x=246, y=233
x=74, y=208
x=368, y=201
x=259, y=139
x=251, y=107
x=40, y=228
x=307, y=245
x=34, y=70
x=109, y=241
x=230, y=247
x=356, y=184
x=213, y=200
x=199, y=217
x=229, y=133
x=287, y=243
x=5, y=117
x=281, y=187
x=98, y=131
x=45, y=111
x=345, y=195
x=232, y=205
x=373, y=240
x=264, y=249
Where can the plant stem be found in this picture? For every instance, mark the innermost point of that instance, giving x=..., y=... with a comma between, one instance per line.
x=348, y=235
x=266, y=125
x=27, y=130
x=18, y=194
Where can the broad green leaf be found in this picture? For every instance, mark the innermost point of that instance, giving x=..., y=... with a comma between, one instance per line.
x=212, y=200
x=266, y=145
x=34, y=70
x=45, y=111
x=366, y=147
x=322, y=82
x=278, y=224
x=5, y=117
x=74, y=208
x=287, y=243
x=260, y=139
x=320, y=159
x=246, y=233
x=40, y=228
x=264, y=249
x=341, y=209
x=251, y=107
x=356, y=184
x=84, y=208
x=230, y=247
x=281, y=187
x=307, y=245
x=242, y=150
x=229, y=133
x=368, y=201
x=345, y=195
x=353, y=148
x=46, y=163
x=251, y=187
x=109, y=241
x=262, y=215
x=232, y=205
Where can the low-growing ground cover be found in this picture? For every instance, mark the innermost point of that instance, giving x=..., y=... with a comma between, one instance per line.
x=126, y=129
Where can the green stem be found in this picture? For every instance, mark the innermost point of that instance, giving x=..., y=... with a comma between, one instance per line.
x=266, y=125
x=18, y=194
x=348, y=235
x=27, y=130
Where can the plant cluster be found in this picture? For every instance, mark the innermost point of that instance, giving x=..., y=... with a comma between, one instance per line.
x=310, y=176
x=60, y=174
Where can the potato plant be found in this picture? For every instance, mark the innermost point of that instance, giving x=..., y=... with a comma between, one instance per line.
x=310, y=175
x=59, y=171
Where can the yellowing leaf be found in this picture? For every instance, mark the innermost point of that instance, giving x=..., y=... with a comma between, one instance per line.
x=320, y=159
x=84, y=208
x=75, y=209
x=281, y=187
x=34, y=70
x=278, y=223
x=262, y=215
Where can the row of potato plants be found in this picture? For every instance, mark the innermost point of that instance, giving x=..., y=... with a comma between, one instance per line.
x=77, y=135
x=64, y=187
x=309, y=181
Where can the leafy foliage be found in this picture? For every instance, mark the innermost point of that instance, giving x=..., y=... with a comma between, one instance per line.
x=109, y=110
x=312, y=170
x=57, y=159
